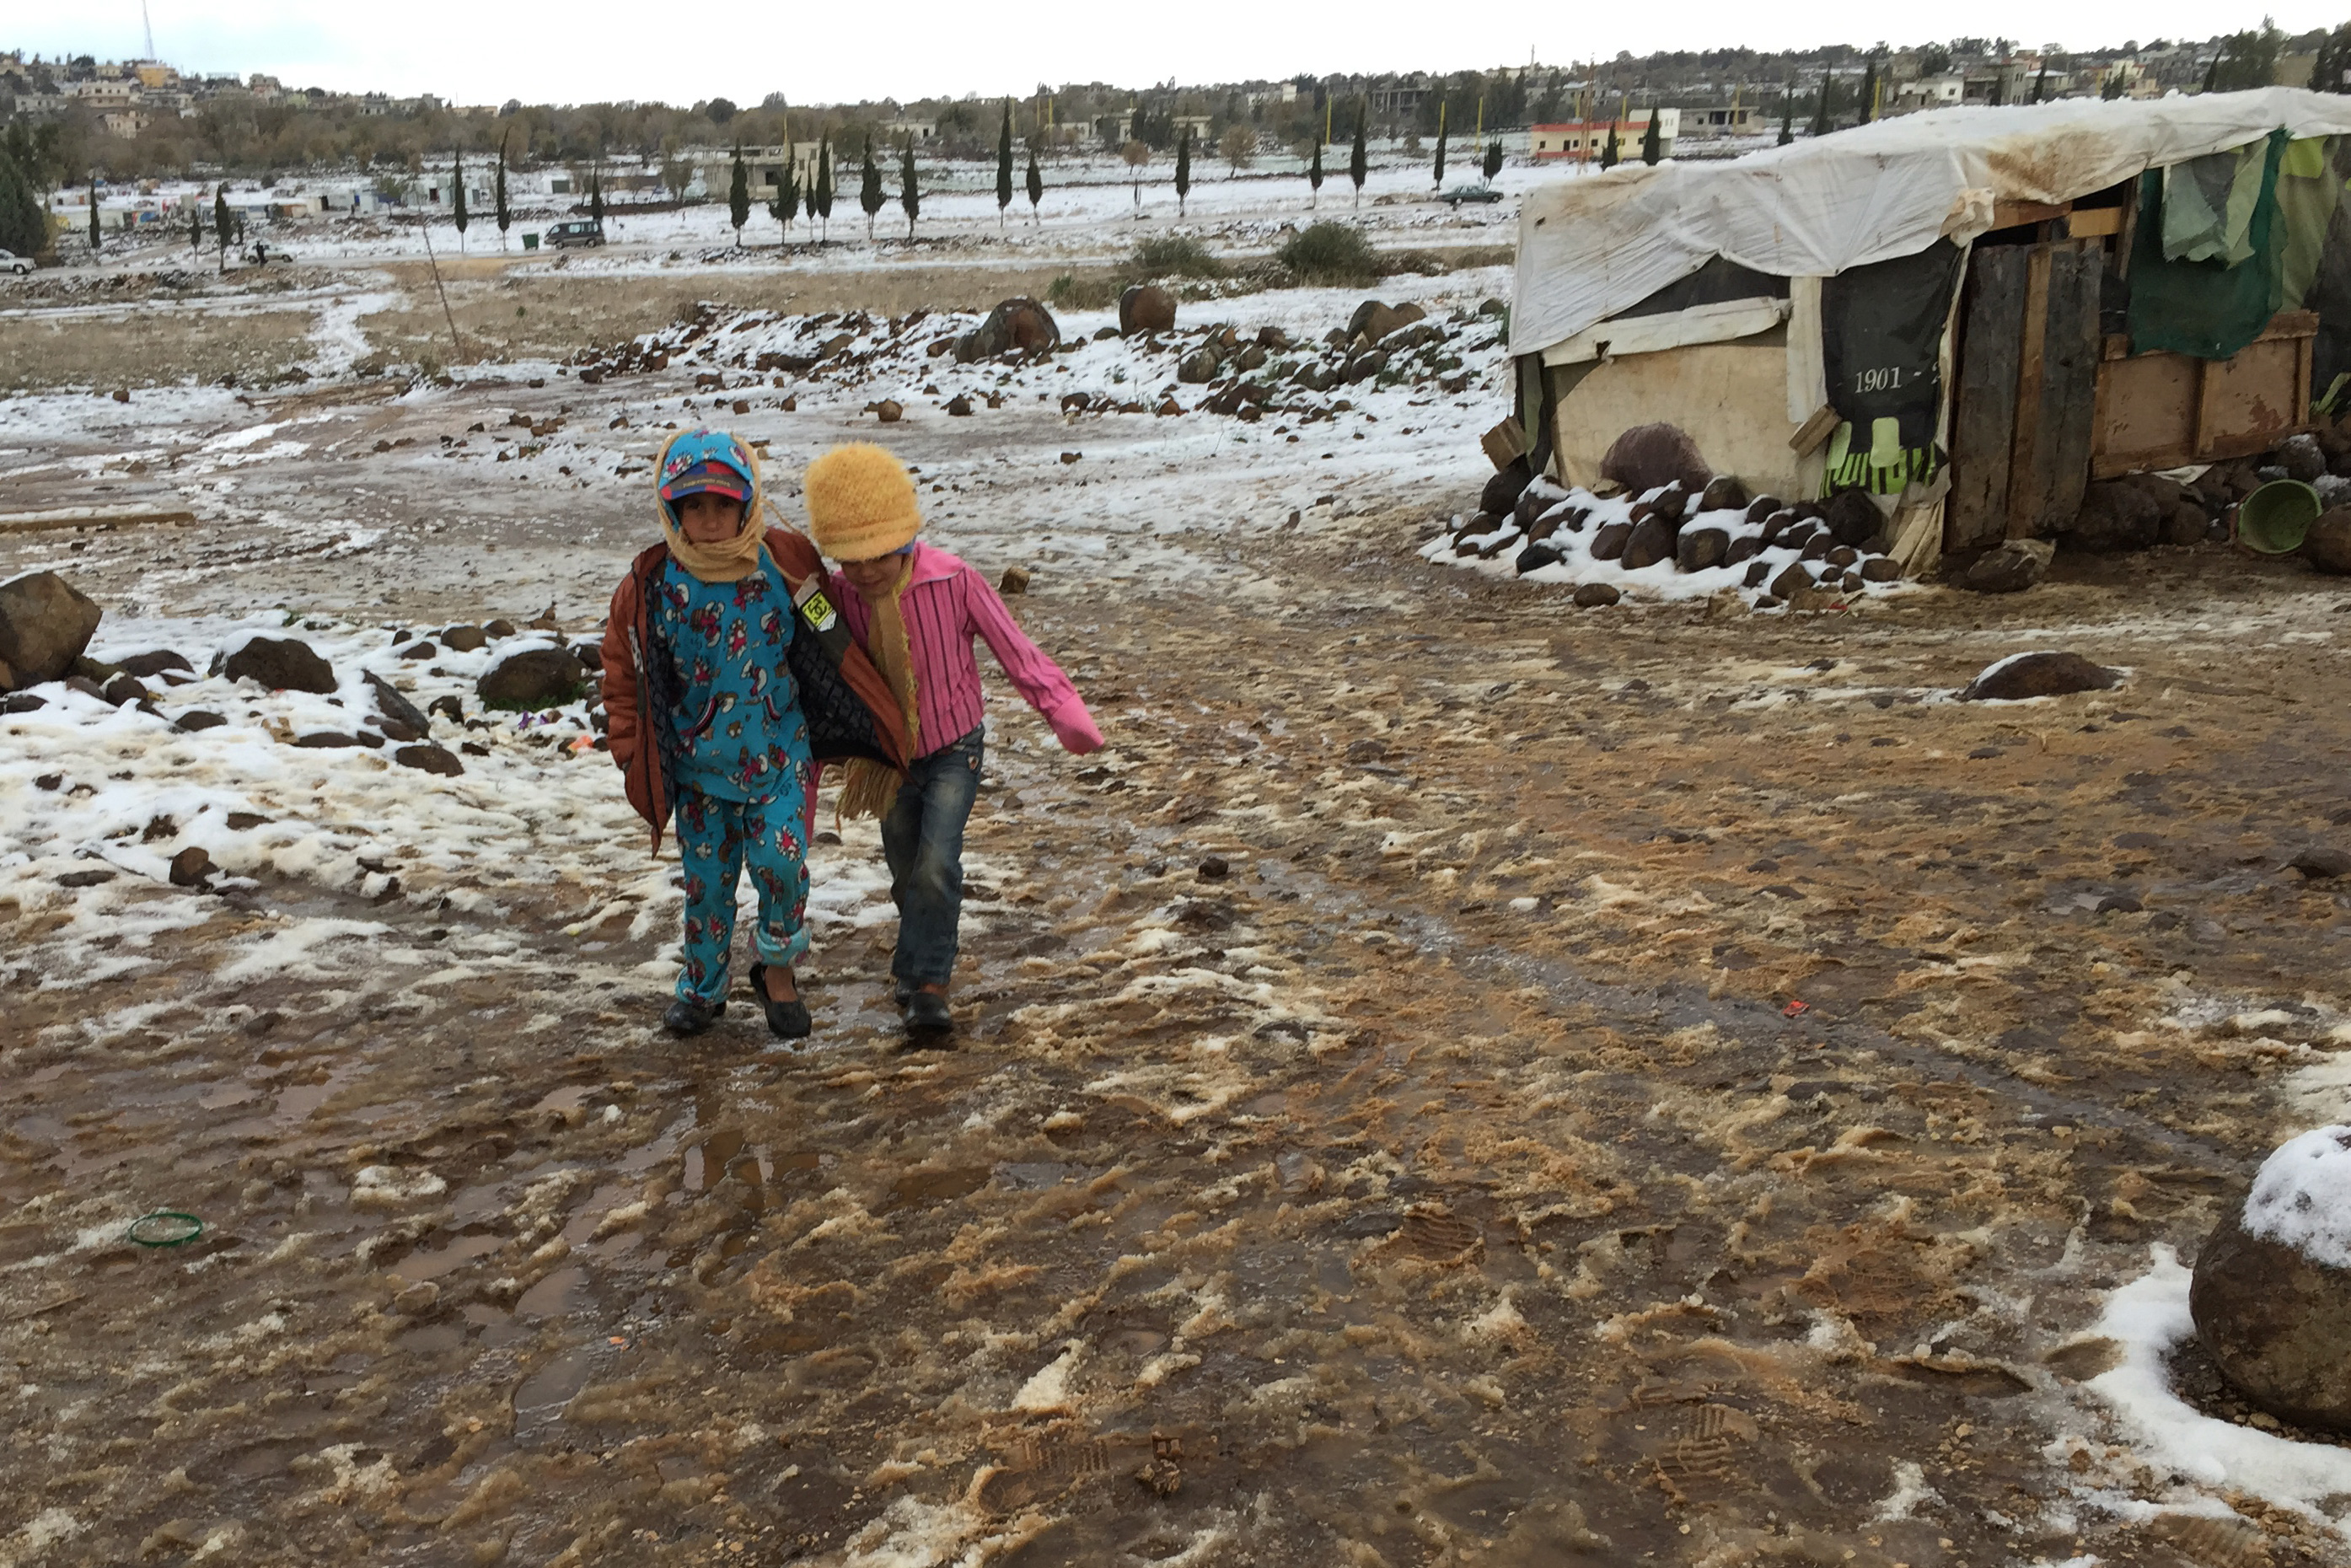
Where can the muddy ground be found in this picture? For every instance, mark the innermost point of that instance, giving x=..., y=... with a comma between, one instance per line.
x=1385, y=1129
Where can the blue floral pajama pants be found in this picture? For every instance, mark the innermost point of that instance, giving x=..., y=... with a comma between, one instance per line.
x=716, y=839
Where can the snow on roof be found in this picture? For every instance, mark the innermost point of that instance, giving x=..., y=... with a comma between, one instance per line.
x=1592, y=244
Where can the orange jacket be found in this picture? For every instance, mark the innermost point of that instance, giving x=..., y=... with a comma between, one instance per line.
x=848, y=707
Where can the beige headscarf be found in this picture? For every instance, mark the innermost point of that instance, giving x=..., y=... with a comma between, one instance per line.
x=869, y=787
x=729, y=560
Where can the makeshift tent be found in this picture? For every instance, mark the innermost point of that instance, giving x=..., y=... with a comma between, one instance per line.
x=2028, y=294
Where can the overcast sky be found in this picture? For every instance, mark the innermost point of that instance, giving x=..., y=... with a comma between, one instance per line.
x=592, y=50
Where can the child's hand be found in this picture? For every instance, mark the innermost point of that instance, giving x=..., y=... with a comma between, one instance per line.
x=1073, y=726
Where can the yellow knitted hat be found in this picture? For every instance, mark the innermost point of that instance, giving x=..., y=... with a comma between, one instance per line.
x=860, y=503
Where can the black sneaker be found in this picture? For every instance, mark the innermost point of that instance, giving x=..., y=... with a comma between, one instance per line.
x=786, y=1020
x=686, y=1016
x=901, y=993
x=927, y=1016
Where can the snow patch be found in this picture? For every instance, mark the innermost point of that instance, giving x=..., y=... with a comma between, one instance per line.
x=2302, y=1197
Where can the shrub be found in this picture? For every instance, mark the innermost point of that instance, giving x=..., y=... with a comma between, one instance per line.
x=1172, y=256
x=1331, y=254
x=1074, y=293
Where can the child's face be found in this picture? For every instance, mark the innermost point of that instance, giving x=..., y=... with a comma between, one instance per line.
x=706, y=518
x=874, y=578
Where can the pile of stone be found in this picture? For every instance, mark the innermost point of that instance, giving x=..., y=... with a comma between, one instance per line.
x=1667, y=512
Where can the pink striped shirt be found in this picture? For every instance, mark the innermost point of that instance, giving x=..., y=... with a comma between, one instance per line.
x=946, y=604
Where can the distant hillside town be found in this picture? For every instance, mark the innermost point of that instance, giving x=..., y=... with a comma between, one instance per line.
x=66, y=122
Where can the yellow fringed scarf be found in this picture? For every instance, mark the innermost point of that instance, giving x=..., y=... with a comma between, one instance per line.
x=869, y=787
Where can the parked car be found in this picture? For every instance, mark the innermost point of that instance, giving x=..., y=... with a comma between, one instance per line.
x=11, y=262
x=1460, y=193
x=575, y=231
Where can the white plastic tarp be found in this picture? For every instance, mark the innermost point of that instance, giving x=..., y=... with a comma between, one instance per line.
x=1591, y=245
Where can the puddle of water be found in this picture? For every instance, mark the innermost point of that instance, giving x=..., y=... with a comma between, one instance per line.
x=561, y=1292
x=431, y=1265
x=540, y=1399
x=229, y=1094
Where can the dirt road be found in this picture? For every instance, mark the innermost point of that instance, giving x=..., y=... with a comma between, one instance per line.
x=1385, y=1129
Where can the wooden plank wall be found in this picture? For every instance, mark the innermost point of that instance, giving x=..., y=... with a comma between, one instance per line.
x=2067, y=419
x=1983, y=425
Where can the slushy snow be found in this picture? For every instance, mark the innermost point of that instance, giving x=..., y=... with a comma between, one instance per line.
x=2302, y=1197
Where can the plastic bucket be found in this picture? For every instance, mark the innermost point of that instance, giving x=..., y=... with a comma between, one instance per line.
x=2274, y=518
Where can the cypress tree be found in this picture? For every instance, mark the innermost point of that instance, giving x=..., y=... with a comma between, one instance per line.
x=1314, y=171
x=1004, y=166
x=824, y=192
x=96, y=234
x=2330, y=69
x=869, y=190
x=1183, y=169
x=596, y=198
x=457, y=195
x=221, y=221
x=1358, y=159
x=788, y=194
x=24, y=226
x=1441, y=144
x=1491, y=164
x=1821, y=111
x=506, y=218
x=1652, y=141
x=908, y=197
x=2040, y=80
x=1788, y=113
x=739, y=197
x=1036, y=187
x=1609, y=155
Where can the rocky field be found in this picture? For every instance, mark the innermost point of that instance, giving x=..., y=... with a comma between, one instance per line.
x=1462, y=1078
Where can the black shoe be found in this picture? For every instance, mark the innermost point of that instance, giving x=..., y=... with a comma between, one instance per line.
x=686, y=1016
x=786, y=1020
x=927, y=1015
x=901, y=993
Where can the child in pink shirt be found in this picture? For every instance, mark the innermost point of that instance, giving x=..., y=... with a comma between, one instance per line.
x=916, y=610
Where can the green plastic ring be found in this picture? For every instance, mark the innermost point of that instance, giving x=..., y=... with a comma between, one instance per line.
x=165, y=1228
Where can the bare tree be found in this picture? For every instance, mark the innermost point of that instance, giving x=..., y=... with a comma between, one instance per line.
x=1136, y=156
x=1239, y=146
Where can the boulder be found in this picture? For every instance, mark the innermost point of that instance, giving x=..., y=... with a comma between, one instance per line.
x=2302, y=458
x=2271, y=1291
x=2185, y=523
x=1853, y=518
x=45, y=623
x=1648, y=455
x=1762, y=506
x=1757, y=570
x=495, y=629
x=889, y=411
x=149, y=665
x=1746, y=548
x=1608, y=540
x=430, y=759
x=1534, y=501
x=2321, y=863
x=1250, y=359
x=125, y=687
x=1315, y=376
x=2010, y=568
x=2115, y=517
x=400, y=719
x=1501, y=492
x=1537, y=554
x=1200, y=365
x=2327, y=545
x=1651, y=541
x=533, y=678
x=1698, y=548
x=1018, y=324
x=960, y=406
x=1723, y=492
x=1596, y=595
x=1145, y=307
x=1672, y=503
x=1880, y=569
x=282, y=665
x=464, y=638
x=1372, y=320
x=1793, y=580
x=1367, y=364
x=589, y=654
x=192, y=867
x=2039, y=674
x=1776, y=525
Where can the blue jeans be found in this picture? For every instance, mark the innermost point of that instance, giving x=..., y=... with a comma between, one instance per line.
x=922, y=838
x=716, y=839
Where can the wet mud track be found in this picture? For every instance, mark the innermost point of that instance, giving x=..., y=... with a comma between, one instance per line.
x=1385, y=1129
